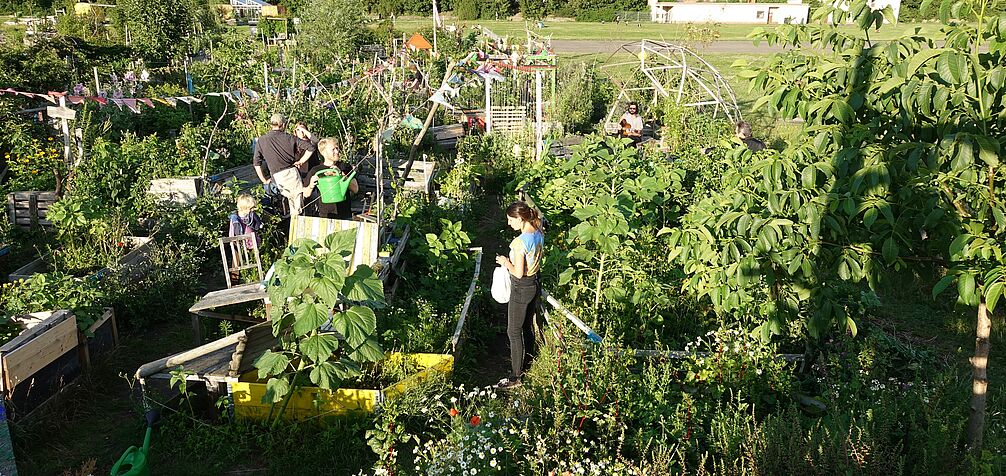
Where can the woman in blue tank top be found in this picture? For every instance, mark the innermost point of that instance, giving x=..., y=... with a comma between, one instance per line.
x=524, y=264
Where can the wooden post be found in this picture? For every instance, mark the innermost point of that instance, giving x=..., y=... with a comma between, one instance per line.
x=980, y=380
x=65, y=126
x=97, y=85
x=426, y=125
x=489, y=113
x=538, y=113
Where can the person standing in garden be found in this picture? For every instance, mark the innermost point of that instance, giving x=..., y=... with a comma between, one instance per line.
x=279, y=150
x=524, y=264
x=335, y=201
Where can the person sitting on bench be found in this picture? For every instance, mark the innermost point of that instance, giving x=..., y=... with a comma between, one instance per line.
x=632, y=123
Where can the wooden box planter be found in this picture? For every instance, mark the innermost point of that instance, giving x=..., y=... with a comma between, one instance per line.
x=176, y=191
x=29, y=209
x=39, y=362
x=135, y=263
x=98, y=339
x=313, y=402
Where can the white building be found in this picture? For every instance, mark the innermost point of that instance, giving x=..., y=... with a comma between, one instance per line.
x=706, y=12
x=874, y=5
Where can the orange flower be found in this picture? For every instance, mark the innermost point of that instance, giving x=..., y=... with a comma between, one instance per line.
x=453, y=412
x=476, y=420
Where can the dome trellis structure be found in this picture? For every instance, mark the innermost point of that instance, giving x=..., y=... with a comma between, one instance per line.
x=671, y=71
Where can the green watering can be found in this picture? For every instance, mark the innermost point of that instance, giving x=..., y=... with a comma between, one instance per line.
x=333, y=187
x=134, y=461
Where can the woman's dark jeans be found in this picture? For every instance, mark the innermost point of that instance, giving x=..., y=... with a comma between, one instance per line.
x=521, y=314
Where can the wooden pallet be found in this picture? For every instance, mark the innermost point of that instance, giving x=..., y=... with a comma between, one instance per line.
x=245, y=176
x=509, y=119
x=29, y=209
x=447, y=136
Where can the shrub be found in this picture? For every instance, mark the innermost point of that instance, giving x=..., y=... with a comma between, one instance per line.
x=333, y=29
x=467, y=10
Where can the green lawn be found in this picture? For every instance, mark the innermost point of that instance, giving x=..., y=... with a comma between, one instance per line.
x=572, y=30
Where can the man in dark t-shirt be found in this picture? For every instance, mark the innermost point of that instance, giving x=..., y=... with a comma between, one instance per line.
x=280, y=150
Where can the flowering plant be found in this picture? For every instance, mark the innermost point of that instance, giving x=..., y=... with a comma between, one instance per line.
x=36, y=165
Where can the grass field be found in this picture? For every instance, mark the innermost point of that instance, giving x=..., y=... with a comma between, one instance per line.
x=572, y=30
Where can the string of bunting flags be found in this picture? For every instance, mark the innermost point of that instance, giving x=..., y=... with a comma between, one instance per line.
x=133, y=104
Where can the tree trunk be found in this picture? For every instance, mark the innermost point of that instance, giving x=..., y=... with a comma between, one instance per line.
x=980, y=382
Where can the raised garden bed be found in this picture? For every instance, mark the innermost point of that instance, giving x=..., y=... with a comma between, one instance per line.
x=313, y=403
x=40, y=361
x=177, y=190
x=135, y=263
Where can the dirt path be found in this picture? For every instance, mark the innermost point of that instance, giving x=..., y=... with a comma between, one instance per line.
x=610, y=46
x=496, y=363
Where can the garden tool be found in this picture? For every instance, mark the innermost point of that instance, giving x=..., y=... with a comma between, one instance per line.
x=134, y=461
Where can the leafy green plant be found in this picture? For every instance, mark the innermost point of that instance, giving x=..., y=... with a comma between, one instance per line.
x=929, y=183
x=51, y=292
x=311, y=285
x=90, y=235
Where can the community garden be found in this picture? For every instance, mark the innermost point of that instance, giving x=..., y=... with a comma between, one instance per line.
x=825, y=305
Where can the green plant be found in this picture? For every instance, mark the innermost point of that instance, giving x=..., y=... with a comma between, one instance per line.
x=935, y=172
x=51, y=292
x=179, y=378
x=90, y=235
x=311, y=283
x=333, y=29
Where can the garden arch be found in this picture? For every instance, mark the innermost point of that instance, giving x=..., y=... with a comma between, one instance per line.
x=667, y=70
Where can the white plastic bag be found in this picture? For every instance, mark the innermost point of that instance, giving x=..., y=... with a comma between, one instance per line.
x=501, y=285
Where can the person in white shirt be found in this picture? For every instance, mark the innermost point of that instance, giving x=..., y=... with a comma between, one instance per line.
x=632, y=123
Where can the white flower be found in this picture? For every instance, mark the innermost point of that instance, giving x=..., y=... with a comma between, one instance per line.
x=493, y=461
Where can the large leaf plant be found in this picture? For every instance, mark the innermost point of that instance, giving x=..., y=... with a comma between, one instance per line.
x=323, y=316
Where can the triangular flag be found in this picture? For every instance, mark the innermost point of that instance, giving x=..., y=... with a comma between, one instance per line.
x=56, y=94
x=117, y=102
x=131, y=104
x=438, y=97
x=75, y=99
x=147, y=101
x=47, y=98
x=99, y=100
x=169, y=101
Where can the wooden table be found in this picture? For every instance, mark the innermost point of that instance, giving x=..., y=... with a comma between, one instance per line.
x=225, y=297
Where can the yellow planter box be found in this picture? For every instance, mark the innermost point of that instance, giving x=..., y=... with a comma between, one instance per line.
x=313, y=402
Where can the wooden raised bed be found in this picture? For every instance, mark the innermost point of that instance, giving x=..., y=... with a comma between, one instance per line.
x=420, y=176
x=29, y=209
x=38, y=363
x=176, y=191
x=98, y=339
x=135, y=263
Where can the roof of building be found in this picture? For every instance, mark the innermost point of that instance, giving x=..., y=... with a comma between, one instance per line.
x=418, y=42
